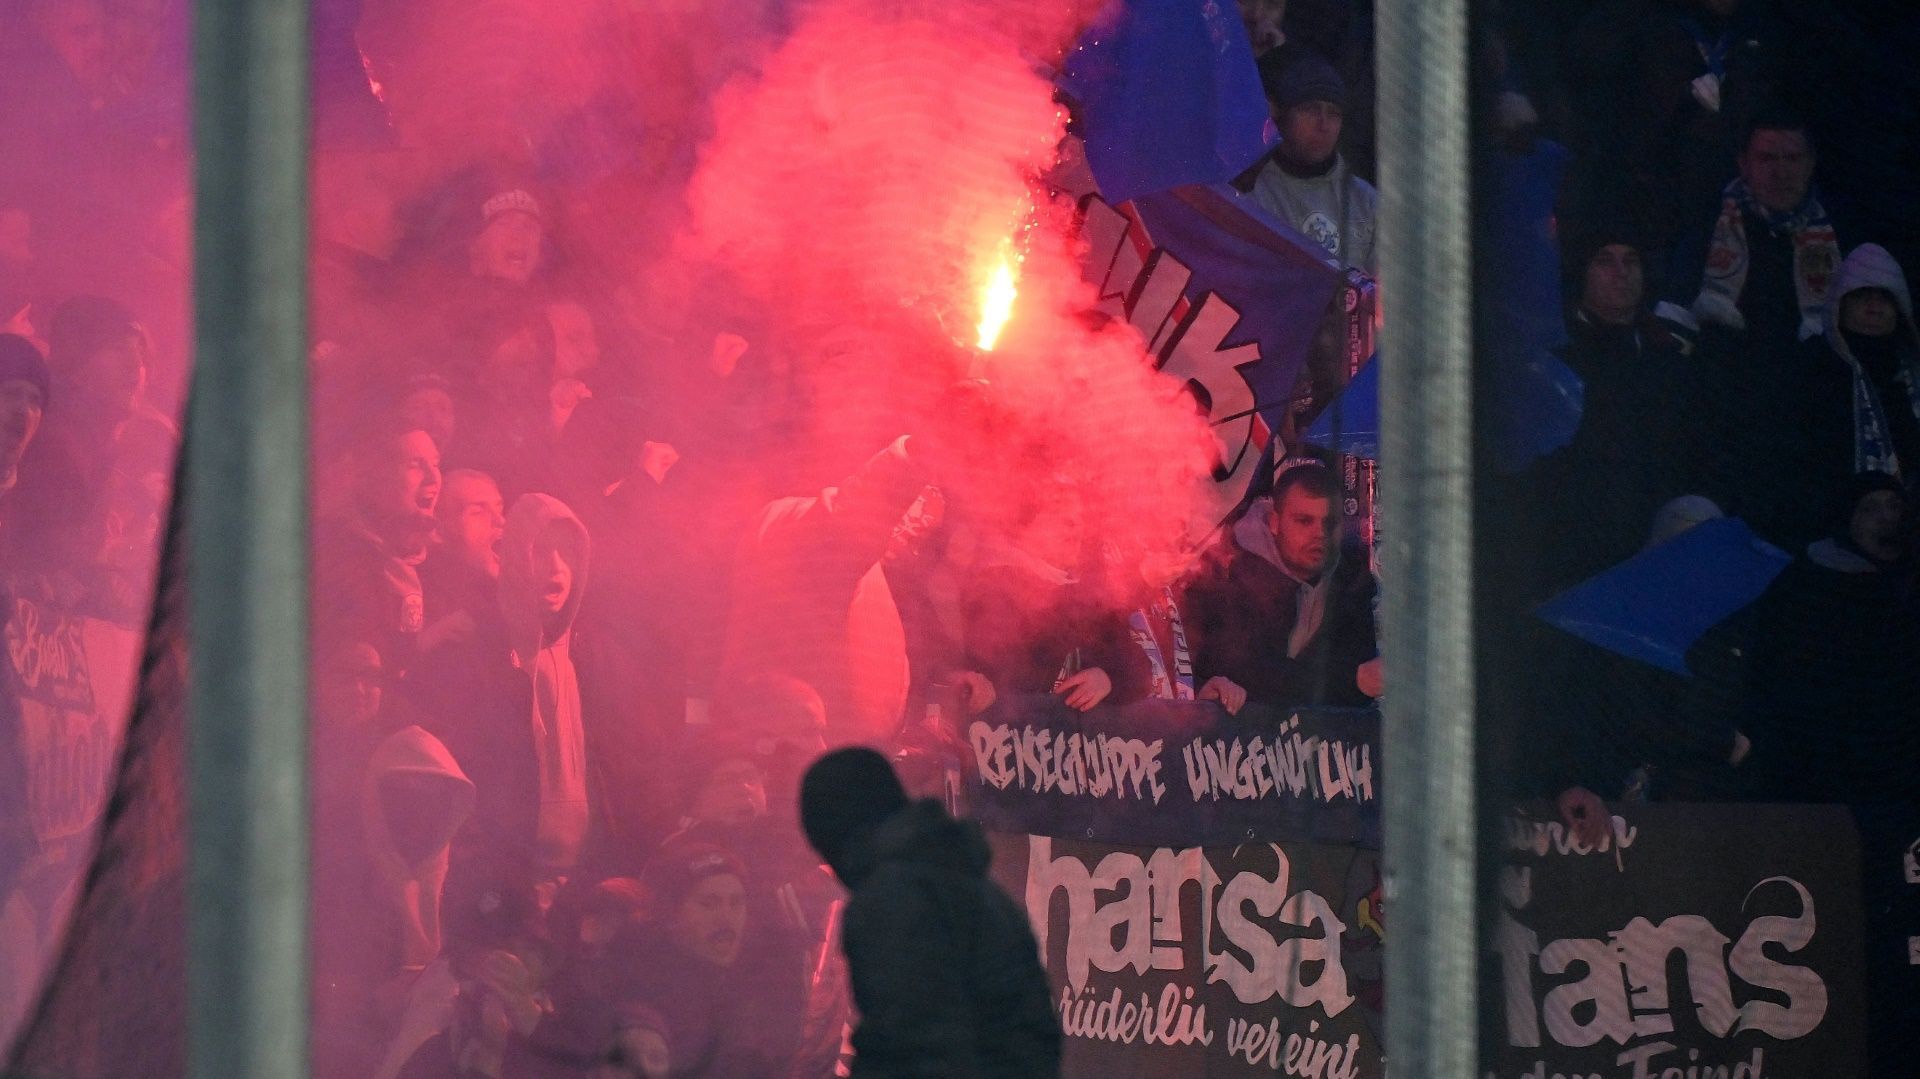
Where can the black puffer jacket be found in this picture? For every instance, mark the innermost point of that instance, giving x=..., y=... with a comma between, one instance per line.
x=946, y=973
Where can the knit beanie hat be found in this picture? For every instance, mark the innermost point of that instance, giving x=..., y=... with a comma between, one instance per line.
x=1295, y=76
x=678, y=868
x=1579, y=245
x=845, y=793
x=19, y=359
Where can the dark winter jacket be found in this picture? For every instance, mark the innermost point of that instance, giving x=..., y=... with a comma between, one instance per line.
x=945, y=969
x=1241, y=613
x=364, y=592
x=1769, y=300
x=636, y=630
x=1836, y=678
x=449, y=587
x=1822, y=446
x=1638, y=444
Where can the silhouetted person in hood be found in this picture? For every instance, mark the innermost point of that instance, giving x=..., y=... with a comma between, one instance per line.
x=946, y=974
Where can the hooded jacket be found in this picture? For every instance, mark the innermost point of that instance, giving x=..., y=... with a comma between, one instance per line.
x=944, y=965
x=1284, y=641
x=1885, y=406
x=1846, y=416
x=378, y=902
x=410, y=881
x=507, y=703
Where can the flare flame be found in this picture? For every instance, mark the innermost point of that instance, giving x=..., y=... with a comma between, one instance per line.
x=996, y=301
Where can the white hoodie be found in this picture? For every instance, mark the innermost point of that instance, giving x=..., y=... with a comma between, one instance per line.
x=412, y=888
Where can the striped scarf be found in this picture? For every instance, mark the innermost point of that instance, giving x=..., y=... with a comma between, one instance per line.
x=1175, y=685
x=1816, y=254
x=1873, y=449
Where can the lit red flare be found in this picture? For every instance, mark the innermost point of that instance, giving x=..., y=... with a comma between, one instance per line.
x=996, y=300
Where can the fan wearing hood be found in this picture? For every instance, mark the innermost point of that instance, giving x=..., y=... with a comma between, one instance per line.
x=507, y=699
x=1283, y=612
x=378, y=925
x=1860, y=396
x=945, y=969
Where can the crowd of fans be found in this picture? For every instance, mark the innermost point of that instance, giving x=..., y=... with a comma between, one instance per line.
x=1740, y=325
x=583, y=613
x=1731, y=233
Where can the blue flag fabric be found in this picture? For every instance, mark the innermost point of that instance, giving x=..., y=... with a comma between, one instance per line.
x=1537, y=399
x=1655, y=605
x=1166, y=94
x=1351, y=423
x=1277, y=282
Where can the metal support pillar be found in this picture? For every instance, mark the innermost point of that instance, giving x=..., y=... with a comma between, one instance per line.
x=247, y=545
x=1426, y=458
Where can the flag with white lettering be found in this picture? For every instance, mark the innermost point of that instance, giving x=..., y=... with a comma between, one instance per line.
x=1177, y=773
x=1696, y=940
x=1205, y=888
x=1227, y=303
x=1261, y=958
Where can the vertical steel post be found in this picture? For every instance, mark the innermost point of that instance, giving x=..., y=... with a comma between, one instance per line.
x=247, y=545
x=1426, y=564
